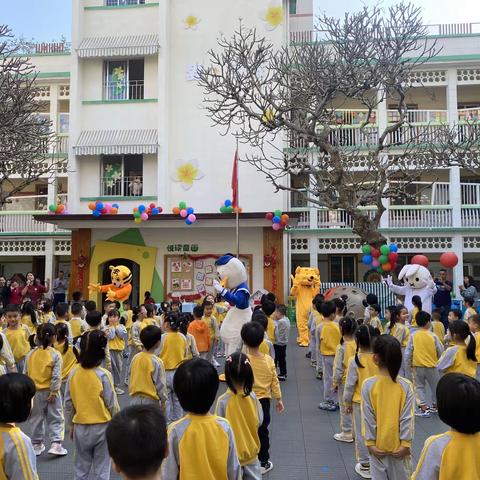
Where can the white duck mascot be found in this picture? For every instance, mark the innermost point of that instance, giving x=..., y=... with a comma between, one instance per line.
x=417, y=281
x=234, y=289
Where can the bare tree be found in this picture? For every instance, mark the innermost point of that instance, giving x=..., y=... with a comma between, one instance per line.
x=27, y=145
x=261, y=93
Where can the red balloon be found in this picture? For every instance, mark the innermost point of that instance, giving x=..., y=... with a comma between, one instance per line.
x=103, y=211
x=448, y=259
x=393, y=257
x=420, y=260
x=269, y=216
x=375, y=252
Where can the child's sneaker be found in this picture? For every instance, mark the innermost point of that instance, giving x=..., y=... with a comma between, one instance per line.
x=266, y=467
x=422, y=413
x=215, y=363
x=119, y=391
x=433, y=409
x=327, y=406
x=57, y=449
x=319, y=376
x=313, y=363
x=281, y=378
x=38, y=448
x=308, y=355
x=343, y=437
x=363, y=470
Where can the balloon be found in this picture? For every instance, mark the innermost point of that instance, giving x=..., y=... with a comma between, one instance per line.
x=393, y=247
x=136, y=214
x=367, y=249
x=420, y=260
x=114, y=211
x=108, y=206
x=138, y=220
x=115, y=205
x=393, y=257
x=144, y=216
x=182, y=205
x=283, y=223
x=276, y=226
x=375, y=252
x=188, y=222
x=278, y=213
x=228, y=203
x=152, y=206
x=96, y=213
x=99, y=206
x=223, y=209
x=448, y=259
x=155, y=211
x=176, y=210
x=375, y=263
x=103, y=211
x=190, y=210
x=91, y=206
x=141, y=208
x=285, y=217
x=380, y=270
x=229, y=209
x=387, y=267
x=192, y=218
x=276, y=219
x=52, y=208
x=269, y=216
x=367, y=259
x=382, y=259
x=183, y=213
x=385, y=249
x=160, y=209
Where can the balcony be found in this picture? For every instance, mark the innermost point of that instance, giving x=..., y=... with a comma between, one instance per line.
x=121, y=187
x=121, y=3
x=131, y=90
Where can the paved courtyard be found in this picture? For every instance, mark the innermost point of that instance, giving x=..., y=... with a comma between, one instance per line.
x=302, y=443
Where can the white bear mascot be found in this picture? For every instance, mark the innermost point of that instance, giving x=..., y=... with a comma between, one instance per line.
x=417, y=281
x=234, y=289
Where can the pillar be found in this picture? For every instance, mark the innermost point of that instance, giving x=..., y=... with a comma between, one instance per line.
x=80, y=258
x=273, y=262
x=49, y=258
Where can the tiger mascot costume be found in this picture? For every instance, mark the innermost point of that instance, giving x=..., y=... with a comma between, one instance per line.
x=120, y=288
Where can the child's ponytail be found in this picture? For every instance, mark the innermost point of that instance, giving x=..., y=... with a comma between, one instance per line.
x=394, y=312
x=61, y=330
x=45, y=333
x=238, y=371
x=364, y=337
x=471, y=348
x=460, y=329
x=348, y=325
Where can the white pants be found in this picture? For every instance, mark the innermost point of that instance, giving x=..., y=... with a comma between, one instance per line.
x=345, y=418
x=47, y=413
x=117, y=365
x=390, y=468
x=252, y=471
x=361, y=451
x=422, y=376
x=327, y=365
x=174, y=409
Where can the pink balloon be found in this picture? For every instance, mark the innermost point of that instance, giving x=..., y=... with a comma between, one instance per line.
x=276, y=226
x=183, y=213
x=375, y=263
x=144, y=216
x=192, y=217
x=108, y=206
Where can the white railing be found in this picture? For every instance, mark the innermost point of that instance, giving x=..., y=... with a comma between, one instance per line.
x=471, y=216
x=16, y=222
x=414, y=134
x=438, y=117
x=415, y=216
x=122, y=187
x=116, y=3
x=470, y=193
x=31, y=203
x=468, y=115
x=353, y=116
x=62, y=144
x=132, y=90
x=353, y=136
x=63, y=123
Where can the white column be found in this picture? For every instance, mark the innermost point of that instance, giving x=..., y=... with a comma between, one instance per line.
x=313, y=250
x=382, y=121
x=49, y=259
x=51, y=198
x=457, y=274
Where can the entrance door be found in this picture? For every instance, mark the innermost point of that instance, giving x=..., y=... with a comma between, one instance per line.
x=134, y=268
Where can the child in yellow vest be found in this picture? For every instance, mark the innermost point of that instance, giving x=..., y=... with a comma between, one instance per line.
x=417, y=307
x=68, y=352
x=17, y=335
x=453, y=315
x=340, y=311
x=374, y=318
x=77, y=324
x=266, y=346
x=61, y=316
x=437, y=325
x=397, y=328
x=30, y=317
x=212, y=325
x=469, y=308
x=46, y=314
x=474, y=325
x=240, y=406
x=7, y=360
x=117, y=335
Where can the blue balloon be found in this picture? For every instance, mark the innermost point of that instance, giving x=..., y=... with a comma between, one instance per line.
x=393, y=247
x=190, y=210
x=115, y=205
x=141, y=208
x=276, y=219
x=155, y=211
x=188, y=222
x=99, y=206
x=96, y=213
x=367, y=259
x=228, y=203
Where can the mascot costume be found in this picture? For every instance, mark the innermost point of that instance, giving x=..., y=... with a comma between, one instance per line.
x=234, y=289
x=120, y=288
x=417, y=281
x=305, y=285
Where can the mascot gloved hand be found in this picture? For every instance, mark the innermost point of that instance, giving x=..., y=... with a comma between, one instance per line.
x=234, y=289
x=120, y=288
x=417, y=281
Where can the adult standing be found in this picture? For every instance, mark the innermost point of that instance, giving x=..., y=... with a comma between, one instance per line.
x=469, y=288
x=59, y=289
x=34, y=289
x=4, y=291
x=443, y=298
x=15, y=294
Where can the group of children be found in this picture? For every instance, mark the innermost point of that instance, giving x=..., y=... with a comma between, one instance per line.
x=380, y=375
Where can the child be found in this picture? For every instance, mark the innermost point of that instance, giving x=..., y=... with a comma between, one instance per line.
x=454, y=454
x=422, y=354
x=266, y=346
x=199, y=330
x=314, y=319
x=47, y=315
x=185, y=320
x=173, y=351
x=30, y=317
x=470, y=310
x=453, y=315
x=327, y=339
x=117, y=334
x=417, y=307
x=151, y=318
x=94, y=322
x=437, y=324
x=360, y=368
x=340, y=309
x=399, y=330
x=7, y=360
x=68, y=352
x=221, y=307
x=90, y=403
x=282, y=332
x=387, y=413
x=107, y=306
x=212, y=325
x=77, y=324
x=147, y=382
x=265, y=386
x=474, y=325
x=90, y=306
x=17, y=458
x=461, y=357
x=148, y=299
x=374, y=318
x=208, y=436
x=17, y=335
x=371, y=299
x=345, y=351
x=44, y=366
x=240, y=407
x=142, y=456
x=268, y=308
x=61, y=314
x=127, y=315
x=175, y=306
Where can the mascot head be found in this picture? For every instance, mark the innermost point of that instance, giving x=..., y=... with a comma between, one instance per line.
x=307, y=276
x=231, y=271
x=120, y=275
x=415, y=276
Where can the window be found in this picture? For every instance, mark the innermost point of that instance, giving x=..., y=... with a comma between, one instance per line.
x=342, y=268
x=116, y=3
x=298, y=198
x=293, y=7
x=122, y=176
x=124, y=79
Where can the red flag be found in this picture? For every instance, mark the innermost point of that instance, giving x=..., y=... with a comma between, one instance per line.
x=235, y=180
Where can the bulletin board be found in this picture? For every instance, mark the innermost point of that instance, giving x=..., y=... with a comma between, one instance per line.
x=190, y=277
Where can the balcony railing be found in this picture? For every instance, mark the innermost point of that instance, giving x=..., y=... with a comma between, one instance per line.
x=419, y=216
x=24, y=223
x=436, y=117
x=122, y=187
x=31, y=203
x=117, y=3
x=131, y=90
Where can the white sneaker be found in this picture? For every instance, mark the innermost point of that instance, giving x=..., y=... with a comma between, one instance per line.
x=343, y=437
x=57, y=449
x=38, y=448
x=266, y=467
x=363, y=470
x=119, y=391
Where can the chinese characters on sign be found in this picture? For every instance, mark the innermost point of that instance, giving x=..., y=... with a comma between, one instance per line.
x=179, y=248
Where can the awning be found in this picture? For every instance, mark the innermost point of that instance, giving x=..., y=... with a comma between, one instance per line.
x=118, y=46
x=116, y=142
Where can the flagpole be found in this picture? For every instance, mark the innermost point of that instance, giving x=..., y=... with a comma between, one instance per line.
x=237, y=211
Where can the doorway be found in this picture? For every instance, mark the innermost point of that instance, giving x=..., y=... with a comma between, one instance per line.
x=134, y=268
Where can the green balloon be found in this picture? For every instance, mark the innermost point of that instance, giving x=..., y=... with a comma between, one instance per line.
x=52, y=208
x=278, y=213
x=380, y=270
x=229, y=209
x=385, y=250
x=367, y=249
x=182, y=205
x=382, y=259
x=137, y=214
x=223, y=209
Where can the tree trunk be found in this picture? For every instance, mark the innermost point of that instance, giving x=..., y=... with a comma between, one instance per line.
x=367, y=229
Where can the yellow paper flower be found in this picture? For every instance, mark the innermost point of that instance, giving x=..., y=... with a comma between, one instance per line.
x=191, y=22
x=186, y=172
x=273, y=17
x=268, y=116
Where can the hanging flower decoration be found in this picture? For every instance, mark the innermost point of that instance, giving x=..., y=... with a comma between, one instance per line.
x=111, y=174
x=191, y=22
x=272, y=16
x=188, y=213
x=186, y=172
x=143, y=213
x=279, y=220
x=118, y=80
